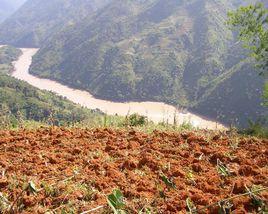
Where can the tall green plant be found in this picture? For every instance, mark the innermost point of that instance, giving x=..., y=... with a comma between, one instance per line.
x=116, y=202
x=251, y=22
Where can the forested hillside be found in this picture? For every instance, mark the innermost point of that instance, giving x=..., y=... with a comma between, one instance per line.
x=180, y=52
x=7, y=55
x=20, y=102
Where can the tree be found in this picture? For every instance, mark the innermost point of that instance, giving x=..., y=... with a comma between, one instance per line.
x=252, y=24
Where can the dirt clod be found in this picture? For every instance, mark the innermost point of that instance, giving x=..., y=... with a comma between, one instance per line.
x=75, y=169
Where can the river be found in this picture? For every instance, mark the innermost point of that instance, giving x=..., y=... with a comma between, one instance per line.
x=155, y=111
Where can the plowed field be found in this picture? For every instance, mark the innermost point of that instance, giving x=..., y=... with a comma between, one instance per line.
x=73, y=170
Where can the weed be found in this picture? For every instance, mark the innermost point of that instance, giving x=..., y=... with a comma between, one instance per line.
x=190, y=177
x=4, y=203
x=225, y=203
x=225, y=207
x=13, y=184
x=229, y=155
x=137, y=120
x=167, y=166
x=162, y=194
x=68, y=209
x=5, y=116
x=234, y=144
x=258, y=128
x=169, y=183
x=105, y=120
x=186, y=126
x=145, y=211
x=88, y=192
x=190, y=205
x=139, y=172
x=257, y=201
x=116, y=202
x=50, y=191
x=94, y=154
x=32, y=188
x=222, y=169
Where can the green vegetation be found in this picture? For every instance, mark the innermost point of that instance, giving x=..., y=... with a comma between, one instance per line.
x=185, y=55
x=116, y=202
x=169, y=183
x=7, y=55
x=258, y=128
x=252, y=24
x=190, y=205
x=21, y=102
x=23, y=105
x=136, y=120
x=181, y=53
x=222, y=169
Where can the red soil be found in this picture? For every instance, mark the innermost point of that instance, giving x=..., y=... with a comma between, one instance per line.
x=68, y=160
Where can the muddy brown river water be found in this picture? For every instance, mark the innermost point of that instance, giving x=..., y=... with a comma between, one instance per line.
x=155, y=111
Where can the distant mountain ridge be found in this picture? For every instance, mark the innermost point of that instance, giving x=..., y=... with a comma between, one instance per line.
x=7, y=7
x=177, y=51
x=37, y=20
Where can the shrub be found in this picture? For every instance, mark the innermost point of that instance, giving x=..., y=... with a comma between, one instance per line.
x=137, y=120
x=258, y=128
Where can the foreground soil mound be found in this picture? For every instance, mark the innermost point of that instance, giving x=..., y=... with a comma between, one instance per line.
x=58, y=170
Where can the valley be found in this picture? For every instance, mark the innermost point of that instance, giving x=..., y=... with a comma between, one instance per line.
x=180, y=53
x=133, y=106
x=155, y=111
x=22, y=105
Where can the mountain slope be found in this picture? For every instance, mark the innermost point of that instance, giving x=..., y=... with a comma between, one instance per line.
x=235, y=98
x=177, y=51
x=21, y=101
x=132, y=47
x=7, y=7
x=8, y=54
x=155, y=50
x=37, y=20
